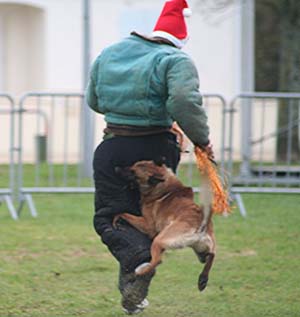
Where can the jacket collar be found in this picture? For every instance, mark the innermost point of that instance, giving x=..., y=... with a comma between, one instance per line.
x=156, y=39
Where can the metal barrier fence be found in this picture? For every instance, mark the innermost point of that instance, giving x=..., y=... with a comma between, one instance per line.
x=269, y=136
x=7, y=152
x=54, y=134
x=49, y=126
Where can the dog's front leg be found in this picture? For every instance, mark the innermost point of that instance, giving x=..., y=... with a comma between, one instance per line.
x=136, y=221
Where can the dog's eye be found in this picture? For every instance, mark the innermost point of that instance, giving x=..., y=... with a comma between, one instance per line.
x=155, y=179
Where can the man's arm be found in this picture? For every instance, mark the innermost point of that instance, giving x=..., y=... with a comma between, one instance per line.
x=90, y=93
x=184, y=102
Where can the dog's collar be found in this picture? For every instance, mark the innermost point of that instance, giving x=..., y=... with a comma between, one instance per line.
x=172, y=192
x=165, y=196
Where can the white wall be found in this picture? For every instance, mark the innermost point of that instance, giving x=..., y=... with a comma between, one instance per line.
x=64, y=45
x=213, y=46
x=1, y=52
x=54, y=38
x=22, y=52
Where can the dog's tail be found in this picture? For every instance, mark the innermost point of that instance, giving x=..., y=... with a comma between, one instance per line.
x=206, y=198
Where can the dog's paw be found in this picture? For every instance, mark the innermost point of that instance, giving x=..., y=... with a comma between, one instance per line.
x=143, y=268
x=202, y=282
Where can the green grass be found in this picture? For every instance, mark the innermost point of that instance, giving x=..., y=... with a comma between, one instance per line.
x=56, y=266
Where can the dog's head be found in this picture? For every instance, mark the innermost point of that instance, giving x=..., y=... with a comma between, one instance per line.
x=147, y=174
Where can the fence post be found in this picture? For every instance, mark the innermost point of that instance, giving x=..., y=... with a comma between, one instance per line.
x=246, y=126
x=88, y=118
x=260, y=171
x=7, y=195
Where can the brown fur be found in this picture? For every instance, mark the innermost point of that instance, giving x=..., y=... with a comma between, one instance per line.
x=171, y=217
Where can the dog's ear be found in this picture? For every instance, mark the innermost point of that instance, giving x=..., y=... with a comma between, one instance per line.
x=159, y=161
x=155, y=179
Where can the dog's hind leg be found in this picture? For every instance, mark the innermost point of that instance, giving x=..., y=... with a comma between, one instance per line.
x=201, y=256
x=205, y=251
x=203, y=277
x=172, y=237
x=169, y=238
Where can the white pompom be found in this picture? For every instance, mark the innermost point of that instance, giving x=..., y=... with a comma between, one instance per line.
x=187, y=12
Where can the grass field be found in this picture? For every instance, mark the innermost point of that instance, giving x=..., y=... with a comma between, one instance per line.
x=55, y=265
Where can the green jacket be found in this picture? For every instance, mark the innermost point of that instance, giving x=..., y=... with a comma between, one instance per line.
x=142, y=83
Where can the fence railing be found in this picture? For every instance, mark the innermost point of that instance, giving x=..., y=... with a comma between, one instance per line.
x=269, y=136
x=54, y=134
x=255, y=136
x=7, y=153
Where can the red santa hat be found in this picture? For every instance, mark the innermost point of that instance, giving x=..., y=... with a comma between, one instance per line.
x=171, y=24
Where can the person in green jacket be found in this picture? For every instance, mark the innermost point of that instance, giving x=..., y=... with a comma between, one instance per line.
x=141, y=85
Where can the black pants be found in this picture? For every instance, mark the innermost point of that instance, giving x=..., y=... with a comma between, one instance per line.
x=114, y=195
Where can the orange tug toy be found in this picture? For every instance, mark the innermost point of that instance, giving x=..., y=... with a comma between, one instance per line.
x=220, y=203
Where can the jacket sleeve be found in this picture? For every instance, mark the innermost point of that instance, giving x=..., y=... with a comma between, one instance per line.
x=184, y=102
x=90, y=93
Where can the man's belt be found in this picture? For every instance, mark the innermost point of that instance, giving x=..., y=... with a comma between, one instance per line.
x=128, y=130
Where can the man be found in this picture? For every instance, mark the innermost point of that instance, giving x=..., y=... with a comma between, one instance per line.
x=141, y=85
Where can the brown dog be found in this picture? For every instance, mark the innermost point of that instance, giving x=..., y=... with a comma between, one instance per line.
x=170, y=216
